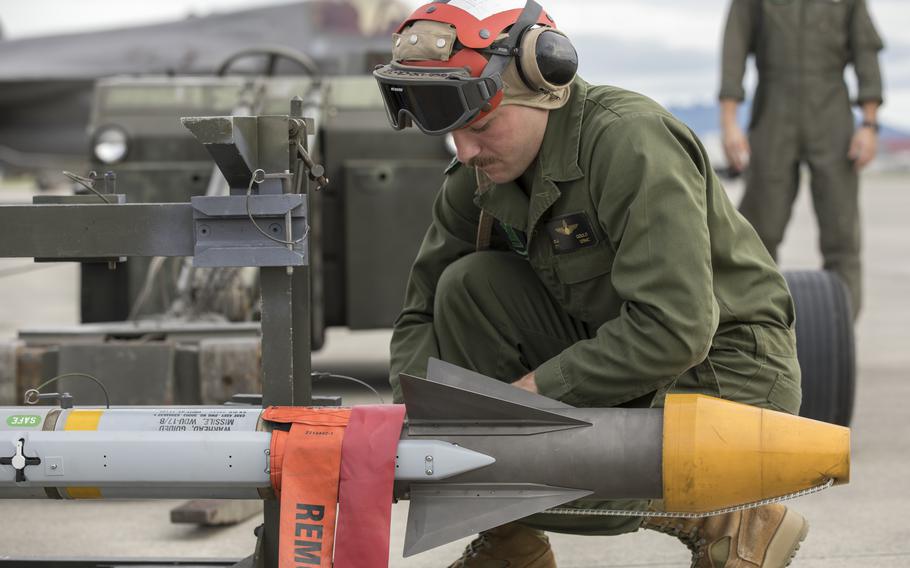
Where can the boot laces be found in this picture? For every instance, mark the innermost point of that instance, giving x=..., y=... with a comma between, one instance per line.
x=691, y=537
x=474, y=548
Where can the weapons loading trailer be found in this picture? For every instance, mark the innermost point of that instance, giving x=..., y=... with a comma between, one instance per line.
x=357, y=280
x=215, y=231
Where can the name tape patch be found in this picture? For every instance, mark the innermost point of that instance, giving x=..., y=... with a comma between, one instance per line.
x=570, y=232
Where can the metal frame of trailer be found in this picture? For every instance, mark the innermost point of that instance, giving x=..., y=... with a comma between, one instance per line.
x=216, y=232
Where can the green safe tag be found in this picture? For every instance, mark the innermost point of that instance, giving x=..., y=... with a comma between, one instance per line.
x=23, y=421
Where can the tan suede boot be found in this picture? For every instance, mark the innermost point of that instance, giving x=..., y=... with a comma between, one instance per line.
x=763, y=537
x=510, y=546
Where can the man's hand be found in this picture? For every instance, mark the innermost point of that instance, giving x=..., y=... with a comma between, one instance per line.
x=736, y=147
x=863, y=147
x=527, y=383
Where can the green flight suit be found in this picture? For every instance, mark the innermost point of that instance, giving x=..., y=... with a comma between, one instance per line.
x=801, y=113
x=619, y=271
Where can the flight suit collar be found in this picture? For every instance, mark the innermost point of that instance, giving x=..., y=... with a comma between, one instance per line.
x=558, y=156
x=561, y=143
x=557, y=161
x=507, y=203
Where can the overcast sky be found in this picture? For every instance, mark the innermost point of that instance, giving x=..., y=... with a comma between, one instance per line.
x=667, y=49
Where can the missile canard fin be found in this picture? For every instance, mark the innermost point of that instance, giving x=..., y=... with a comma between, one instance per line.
x=438, y=408
x=441, y=372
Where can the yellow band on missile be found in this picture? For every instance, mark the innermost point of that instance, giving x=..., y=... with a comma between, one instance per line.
x=83, y=420
x=720, y=454
x=83, y=492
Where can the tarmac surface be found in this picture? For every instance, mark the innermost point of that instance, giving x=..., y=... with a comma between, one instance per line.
x=859, y=525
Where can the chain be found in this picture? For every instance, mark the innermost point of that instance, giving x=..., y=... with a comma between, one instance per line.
x=626, y=513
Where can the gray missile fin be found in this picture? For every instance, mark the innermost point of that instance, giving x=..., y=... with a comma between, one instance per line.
x=441, y=513
x=446, y=373
x=437, y=409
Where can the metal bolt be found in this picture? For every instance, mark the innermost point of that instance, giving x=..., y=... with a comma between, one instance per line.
x=429, y=472
x=413, y=39
x=429, y=458
x=53, y=466
x=110, y=182
x=297, y=111
x=485, y=33
x=275, y=228
x=204, y=230
x=440, y=42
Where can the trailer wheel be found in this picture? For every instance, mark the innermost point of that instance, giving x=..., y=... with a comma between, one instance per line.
x=824, y=344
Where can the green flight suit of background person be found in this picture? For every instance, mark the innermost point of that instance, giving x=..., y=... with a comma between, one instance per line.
x=801, y=113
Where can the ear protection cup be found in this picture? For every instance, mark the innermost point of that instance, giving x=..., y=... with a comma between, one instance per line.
x=547, y=60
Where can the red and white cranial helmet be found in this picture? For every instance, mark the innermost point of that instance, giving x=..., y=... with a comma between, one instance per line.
x=454, y=61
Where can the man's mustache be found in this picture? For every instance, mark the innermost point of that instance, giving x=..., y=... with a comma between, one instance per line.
x=481, y=162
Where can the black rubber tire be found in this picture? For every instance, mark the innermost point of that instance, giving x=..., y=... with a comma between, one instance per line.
x=824, y=344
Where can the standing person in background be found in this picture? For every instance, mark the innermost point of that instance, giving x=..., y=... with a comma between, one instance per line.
x=802, y=113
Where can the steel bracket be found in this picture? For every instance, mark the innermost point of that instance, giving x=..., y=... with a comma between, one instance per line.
x=231, y=230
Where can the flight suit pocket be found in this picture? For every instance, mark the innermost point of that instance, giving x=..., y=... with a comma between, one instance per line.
x=584, y=277
x=736, y=362
x=830, y=17
x=785, y=395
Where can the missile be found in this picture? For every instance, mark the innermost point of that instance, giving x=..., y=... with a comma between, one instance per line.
x=474, y=453
x=699, y=454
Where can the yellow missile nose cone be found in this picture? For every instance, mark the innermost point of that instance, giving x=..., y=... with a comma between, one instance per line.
x=719, y=453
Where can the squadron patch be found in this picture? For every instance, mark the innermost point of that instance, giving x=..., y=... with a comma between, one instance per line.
x=570, y=232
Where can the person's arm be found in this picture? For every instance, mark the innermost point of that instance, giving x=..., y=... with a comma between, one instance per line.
x=735, y=141
x=865, y=43
x=864, y=145
x=648, y=181
x=450, y=236
x=738, y=43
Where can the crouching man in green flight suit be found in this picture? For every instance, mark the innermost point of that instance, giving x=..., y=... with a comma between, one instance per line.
x=581, y=247
x=801, y=113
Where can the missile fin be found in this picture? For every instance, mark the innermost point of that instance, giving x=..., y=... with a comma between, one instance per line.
x=441, y=513
x=439, y=371
x=436, y=409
